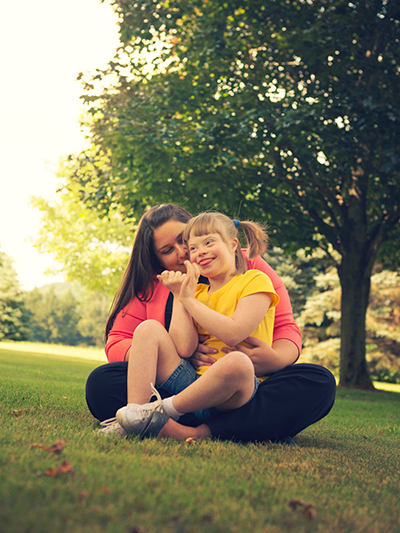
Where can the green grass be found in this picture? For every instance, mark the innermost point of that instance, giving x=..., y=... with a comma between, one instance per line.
x=346, y=466
x=86, y=352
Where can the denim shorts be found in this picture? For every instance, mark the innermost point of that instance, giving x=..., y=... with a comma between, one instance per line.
x=183, y=376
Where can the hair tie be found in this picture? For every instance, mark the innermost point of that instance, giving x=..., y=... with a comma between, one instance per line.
x=236, y=222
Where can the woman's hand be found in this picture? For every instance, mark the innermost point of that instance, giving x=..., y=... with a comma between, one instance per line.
x=172, y=280
x=258, y=353
x=180, y=284
x=202, y=355
x=267, y=359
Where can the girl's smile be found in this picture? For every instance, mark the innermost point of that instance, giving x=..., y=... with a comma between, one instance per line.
x=215, y=258
x=205, y=262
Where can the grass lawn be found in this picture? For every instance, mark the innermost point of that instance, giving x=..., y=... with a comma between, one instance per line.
x=347, y=467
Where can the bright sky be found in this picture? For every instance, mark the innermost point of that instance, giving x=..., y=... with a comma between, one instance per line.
x=44, y=44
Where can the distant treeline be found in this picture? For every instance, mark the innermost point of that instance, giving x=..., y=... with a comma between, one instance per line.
x=61, y=313
x=66, y=313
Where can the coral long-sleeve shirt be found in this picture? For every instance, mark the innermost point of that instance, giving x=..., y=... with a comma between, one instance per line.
x=120, y=337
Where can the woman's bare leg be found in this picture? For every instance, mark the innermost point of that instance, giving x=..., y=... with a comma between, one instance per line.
x=152, y=358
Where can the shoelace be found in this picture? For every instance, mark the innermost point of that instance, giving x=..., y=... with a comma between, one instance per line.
x=109, y=422
x=153, y=406
x=156, y=394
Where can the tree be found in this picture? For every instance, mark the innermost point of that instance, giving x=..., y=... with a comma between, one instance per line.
x=286, y=111
x=320, y=322
x=11, y=306
x=91, y=248
x=94, y=309
x=53, y=319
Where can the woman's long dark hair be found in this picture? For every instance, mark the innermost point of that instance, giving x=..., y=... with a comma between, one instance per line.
x=138, y=278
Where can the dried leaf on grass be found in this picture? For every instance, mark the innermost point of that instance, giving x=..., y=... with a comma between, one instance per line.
x=306, y=508
x=64, y=468
x=83, y=495
x=17, y=412
x=190, y=440
x=57, y=447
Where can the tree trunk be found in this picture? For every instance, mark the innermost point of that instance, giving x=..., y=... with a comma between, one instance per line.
x=355, y=279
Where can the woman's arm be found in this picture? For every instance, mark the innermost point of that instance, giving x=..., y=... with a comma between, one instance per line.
x=119, y=339
x=286, y=345
x=285, y=327
x=267, y=359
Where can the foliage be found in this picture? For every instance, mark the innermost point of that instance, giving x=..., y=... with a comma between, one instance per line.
x=320, y=323
x=11, y=306
x=346, y=467
x=294, y=105
x=298, y=272
x=94, y=308
x=91, y=248
x=64, y=313
x=53, y=319
x=286, y=111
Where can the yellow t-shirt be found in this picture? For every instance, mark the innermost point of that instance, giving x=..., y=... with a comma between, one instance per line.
x=225, y=300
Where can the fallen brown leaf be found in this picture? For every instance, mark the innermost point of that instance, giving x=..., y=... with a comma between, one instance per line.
x=57, y=447
x=17, y=412
x=309, y=512
x=64, y=468
x=82, y=496
x=306, y=508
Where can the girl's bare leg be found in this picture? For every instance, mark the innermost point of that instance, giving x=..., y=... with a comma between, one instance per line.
x=227, y=384
x=152, y=358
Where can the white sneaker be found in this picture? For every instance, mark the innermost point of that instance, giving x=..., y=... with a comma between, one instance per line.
x=111, y=426
x=134, y=418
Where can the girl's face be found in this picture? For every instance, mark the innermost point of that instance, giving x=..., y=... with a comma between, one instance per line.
x=214, y=256
x=169, y=246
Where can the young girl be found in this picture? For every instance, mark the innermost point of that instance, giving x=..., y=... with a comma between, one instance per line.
x=237, y=304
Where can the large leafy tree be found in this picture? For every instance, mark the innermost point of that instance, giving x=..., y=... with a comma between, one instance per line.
x=89, y=247
x=286, y=111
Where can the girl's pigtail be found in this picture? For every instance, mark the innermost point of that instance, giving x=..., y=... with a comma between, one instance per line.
x=256, y=237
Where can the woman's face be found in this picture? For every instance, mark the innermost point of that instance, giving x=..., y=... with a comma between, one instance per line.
x=169, y=247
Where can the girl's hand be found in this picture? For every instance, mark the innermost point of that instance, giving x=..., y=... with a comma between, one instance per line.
x=189, y=284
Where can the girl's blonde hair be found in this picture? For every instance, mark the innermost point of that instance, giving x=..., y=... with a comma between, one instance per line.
x=255, y=234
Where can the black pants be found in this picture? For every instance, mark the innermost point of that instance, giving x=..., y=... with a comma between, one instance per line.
x=286, y=403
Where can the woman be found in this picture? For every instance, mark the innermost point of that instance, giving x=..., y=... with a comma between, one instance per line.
x=291, y=399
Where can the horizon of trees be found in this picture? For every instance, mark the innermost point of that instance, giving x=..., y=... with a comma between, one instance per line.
x=59, y=313
x=67, y=313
